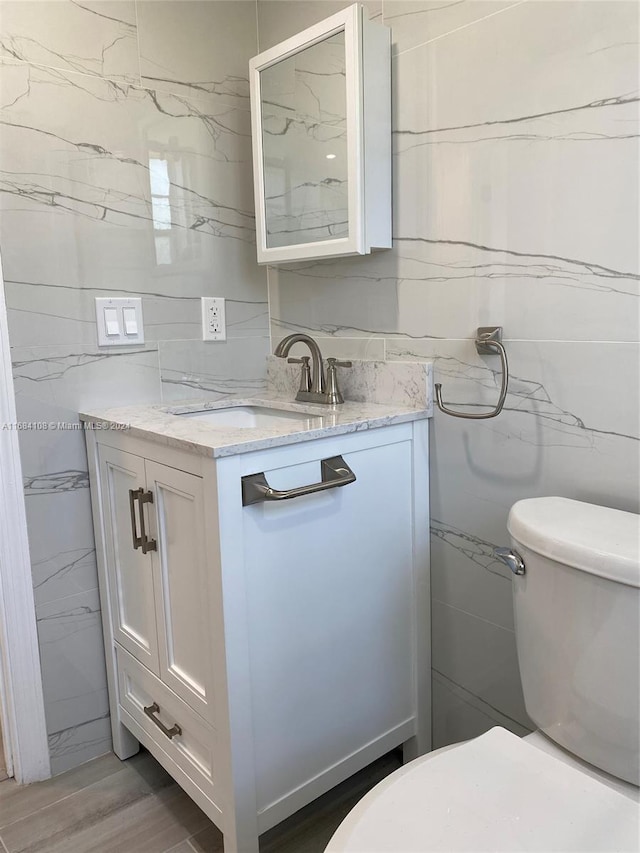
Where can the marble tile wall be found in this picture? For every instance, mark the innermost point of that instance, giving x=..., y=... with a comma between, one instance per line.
x=516, y=130
x=125, y=157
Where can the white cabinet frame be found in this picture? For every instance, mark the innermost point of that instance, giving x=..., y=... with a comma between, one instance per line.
x=368, y=104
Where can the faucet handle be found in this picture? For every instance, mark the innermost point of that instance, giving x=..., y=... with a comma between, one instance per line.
x=305, y=374
x=333, y=392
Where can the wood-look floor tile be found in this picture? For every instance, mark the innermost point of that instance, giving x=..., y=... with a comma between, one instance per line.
x=19, y=801
x=310, y=829
x=42, y=830
x=207, y=841
x=183, y=847
x=150, y=825
x=135, y=807
x=3, y=760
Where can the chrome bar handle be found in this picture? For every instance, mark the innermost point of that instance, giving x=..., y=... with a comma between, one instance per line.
x=334, y=472
x=151, y=710
x=488, y=339
x=147, y=544
x=134, y=494
x=510, y=558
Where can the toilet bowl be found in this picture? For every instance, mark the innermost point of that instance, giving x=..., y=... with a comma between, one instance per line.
x=572, y=785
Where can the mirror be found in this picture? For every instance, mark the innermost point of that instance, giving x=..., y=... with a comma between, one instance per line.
x=321, y=130
x=304, y=145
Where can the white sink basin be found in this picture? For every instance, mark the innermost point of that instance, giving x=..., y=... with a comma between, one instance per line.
x=250, y=417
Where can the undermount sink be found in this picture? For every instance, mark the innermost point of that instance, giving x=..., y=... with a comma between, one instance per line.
x=249, y=417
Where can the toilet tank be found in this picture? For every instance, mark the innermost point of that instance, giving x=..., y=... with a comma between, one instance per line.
x=577, y=614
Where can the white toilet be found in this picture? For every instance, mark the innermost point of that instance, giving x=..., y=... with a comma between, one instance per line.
x=573, y=784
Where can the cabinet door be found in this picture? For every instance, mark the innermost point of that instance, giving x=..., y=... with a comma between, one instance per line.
x=329, y=610
x=130, y=572
x=182, y=601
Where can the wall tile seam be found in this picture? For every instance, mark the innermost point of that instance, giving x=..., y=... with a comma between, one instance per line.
x=125, y=81
x=51, y=601
x=473, y=615
x=66, y=598
x=105, y=716
x=455, y=30
x=506, y=340
x=219, y=100
x=138, y=54
x=137, y=86
x=457, y=690
x=92, y=349
x=269, y=284
x=215, y=344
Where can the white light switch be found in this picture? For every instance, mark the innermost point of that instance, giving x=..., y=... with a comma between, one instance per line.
x=119, y=322
x=111, y=322
x=130, y=321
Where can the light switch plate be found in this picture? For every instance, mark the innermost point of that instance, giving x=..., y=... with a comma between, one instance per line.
x=114, y=308
x=214, y=323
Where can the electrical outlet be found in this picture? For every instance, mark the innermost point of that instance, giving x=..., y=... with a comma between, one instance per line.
x=214, y=325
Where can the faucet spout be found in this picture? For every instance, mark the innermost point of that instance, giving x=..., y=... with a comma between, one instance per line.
x=317, y=375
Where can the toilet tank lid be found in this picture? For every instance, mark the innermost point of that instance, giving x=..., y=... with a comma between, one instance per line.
x=592, y=538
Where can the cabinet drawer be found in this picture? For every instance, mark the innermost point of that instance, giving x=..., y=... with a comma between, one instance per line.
x=193, y=749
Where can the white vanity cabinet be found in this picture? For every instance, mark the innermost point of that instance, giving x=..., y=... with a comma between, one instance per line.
x=264, y=652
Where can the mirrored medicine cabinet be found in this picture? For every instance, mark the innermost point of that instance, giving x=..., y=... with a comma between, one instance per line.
x=321, y=131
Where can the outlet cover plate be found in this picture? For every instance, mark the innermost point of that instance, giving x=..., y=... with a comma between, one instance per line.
x=214, y=323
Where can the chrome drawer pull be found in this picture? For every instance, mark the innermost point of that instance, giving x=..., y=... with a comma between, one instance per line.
x=147, y=544
x=334, y=471
x=134, y=494
x=141, y=541
x=150, y=710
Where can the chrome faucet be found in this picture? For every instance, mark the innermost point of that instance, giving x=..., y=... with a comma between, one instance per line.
x=313, y=388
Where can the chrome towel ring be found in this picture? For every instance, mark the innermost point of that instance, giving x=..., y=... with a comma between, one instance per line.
x=488, y=341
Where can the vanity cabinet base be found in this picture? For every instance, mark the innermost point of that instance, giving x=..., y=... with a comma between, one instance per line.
x=304, y=655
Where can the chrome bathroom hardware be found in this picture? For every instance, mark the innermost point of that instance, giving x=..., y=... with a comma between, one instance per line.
x=488, y=341
x=313, y=386
x=510, y=558
x=143, y=540
x=305, y=373
x=332, y=392
x=334, y=471
x=316, y=393
x=151, y=710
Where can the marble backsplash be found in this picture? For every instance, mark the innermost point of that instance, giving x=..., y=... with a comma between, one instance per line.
x=384, y=382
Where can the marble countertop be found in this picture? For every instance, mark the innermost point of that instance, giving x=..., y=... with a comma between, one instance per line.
x=162, y=423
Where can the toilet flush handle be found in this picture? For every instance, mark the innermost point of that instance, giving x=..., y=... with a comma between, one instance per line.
x=510, y=558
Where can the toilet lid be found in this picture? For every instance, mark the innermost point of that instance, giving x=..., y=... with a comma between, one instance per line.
x=495, y=793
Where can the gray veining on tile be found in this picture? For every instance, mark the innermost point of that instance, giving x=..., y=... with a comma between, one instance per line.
x=74, y=745
x=212, y=370
x=515, y=204
x=72, y=659
x=416, y=22
x=98, y=38
x=194, y=49
x=113, y=184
